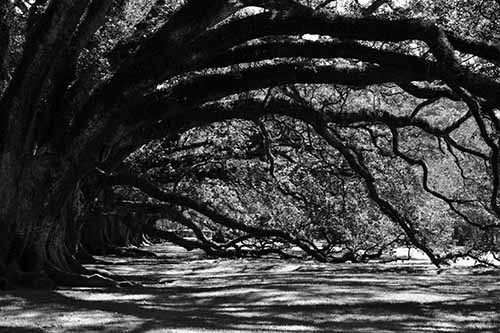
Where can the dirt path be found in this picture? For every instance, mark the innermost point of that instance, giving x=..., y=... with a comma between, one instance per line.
x=184, y=292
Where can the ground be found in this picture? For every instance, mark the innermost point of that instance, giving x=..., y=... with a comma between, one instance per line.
x=184, y=292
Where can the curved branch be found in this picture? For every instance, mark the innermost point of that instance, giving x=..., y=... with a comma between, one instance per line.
x=425, y=183
x=206, y=87
x=214, y=215
x=302, y=21
x=95, y=17
x=385, y=206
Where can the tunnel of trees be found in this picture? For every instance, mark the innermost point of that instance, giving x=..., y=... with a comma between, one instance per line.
x=332, y=130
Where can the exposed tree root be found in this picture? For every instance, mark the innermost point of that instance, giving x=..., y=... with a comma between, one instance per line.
x=14, y=279
x=68, y=279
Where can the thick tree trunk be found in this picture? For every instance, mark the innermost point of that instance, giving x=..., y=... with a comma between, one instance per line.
x=39, y=216
x=5, y=8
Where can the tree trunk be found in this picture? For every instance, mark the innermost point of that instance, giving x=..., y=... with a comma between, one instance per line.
x=39, y=213
x=103, y=234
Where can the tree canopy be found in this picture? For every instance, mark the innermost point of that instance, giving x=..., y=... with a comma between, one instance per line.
x=340, y=128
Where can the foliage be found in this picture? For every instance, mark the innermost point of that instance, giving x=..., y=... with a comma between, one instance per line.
x=340, y=128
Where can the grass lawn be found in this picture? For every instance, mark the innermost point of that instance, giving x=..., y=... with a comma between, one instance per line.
x=184, y=292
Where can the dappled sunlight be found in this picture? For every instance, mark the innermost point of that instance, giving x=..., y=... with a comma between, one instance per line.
x=266, y=295
x=242, y=165
x=97, y=296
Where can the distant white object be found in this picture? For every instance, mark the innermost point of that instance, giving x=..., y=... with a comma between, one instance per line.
x=252, y=10
x=310, y=37
x=401, y=253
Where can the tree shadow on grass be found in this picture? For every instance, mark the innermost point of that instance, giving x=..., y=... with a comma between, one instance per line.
x=13, y=329
x=266, y=295
x=187, y=309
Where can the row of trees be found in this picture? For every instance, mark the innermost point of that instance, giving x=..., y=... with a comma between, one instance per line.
x=338, y=127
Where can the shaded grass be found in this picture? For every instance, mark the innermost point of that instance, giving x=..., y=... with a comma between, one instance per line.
x=184, y=292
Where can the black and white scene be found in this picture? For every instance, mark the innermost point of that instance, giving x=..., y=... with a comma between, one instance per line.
x=249, y=166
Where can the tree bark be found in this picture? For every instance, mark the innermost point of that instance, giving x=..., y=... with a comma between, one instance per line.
x=5, y=12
